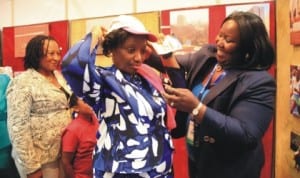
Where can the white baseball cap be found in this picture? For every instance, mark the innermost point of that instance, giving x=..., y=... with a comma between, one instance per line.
x=170, y=44
x=131, y=25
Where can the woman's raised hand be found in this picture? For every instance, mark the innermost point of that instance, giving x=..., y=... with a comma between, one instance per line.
x=98, y=34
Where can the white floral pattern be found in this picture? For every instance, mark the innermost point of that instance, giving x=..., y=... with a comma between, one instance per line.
x=37, y=114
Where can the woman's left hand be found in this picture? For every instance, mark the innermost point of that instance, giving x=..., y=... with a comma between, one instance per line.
x=180, y=98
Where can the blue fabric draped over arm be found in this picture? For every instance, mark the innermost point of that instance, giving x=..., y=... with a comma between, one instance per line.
x=75, y=61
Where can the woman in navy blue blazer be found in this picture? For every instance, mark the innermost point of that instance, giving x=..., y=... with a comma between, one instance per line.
x=229, y=102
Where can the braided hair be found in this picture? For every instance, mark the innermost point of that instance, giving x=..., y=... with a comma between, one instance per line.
x=35, y=51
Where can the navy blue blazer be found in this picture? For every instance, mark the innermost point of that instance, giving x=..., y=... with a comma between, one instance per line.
x=240, y=109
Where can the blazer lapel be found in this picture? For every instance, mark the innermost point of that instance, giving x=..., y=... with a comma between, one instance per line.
x=230, y=78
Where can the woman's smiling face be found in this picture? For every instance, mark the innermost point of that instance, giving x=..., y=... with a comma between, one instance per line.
x=131, y=54
x=227, y=41
x=52, y=56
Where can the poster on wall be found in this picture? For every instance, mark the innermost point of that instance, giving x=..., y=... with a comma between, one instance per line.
x=295, y=141
x=295, y=90
x=295, y=147
x=294, y=14
x=189, y=26
x=23, y=34
x=262, y=10
x=195, y=22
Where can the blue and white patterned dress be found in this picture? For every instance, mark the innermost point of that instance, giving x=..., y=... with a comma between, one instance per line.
x=132, y=137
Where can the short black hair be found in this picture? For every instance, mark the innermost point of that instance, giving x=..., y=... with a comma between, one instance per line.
x=255, y=48
x=73, y=100
x=35, y=51
x=114, y=39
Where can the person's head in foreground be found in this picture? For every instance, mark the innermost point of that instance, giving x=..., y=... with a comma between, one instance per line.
x=126, y=43
x=79, y=106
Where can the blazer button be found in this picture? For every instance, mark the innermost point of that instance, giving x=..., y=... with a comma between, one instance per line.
x=206, y=138
x=212, y=140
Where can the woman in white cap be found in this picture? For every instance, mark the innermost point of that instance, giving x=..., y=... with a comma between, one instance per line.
x=133, y=139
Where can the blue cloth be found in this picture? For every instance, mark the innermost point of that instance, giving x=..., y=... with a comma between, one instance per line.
x=74, y=62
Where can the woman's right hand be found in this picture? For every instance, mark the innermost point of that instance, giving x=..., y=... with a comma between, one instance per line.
x=98, y=34
x=180, y=98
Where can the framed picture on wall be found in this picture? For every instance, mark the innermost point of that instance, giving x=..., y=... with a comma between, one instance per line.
x=194, y=21
x=295, y=90
x=260, y=9
x=294, y=14
x=295, y=147
x=189, y=26
x=295, y=141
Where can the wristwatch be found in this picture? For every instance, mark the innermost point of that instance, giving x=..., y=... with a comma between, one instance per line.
x=196, y=110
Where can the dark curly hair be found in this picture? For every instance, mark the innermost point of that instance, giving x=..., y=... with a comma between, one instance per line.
x=114, y=39
x=35, y=51
x=255, y=50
